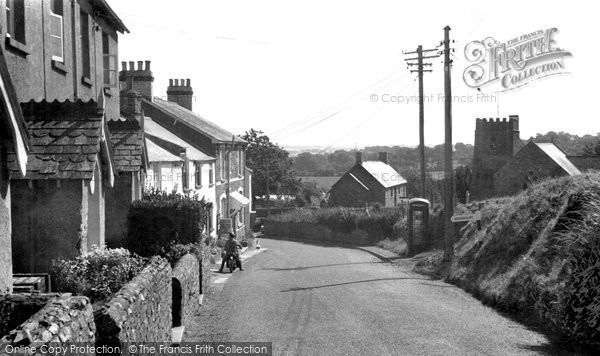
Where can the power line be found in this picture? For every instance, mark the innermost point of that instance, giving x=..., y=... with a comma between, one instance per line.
x=344, y=101
x=331, y=115
x=373, y=115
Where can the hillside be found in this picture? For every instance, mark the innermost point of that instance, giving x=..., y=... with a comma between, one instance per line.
x=537, y=256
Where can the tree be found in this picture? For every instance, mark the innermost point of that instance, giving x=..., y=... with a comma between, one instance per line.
x=269, y=161
x=592, y=149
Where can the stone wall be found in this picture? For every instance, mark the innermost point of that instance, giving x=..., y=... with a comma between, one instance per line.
x=64, y=320
x=186, y=288
x=16, y=308
x=140, y=311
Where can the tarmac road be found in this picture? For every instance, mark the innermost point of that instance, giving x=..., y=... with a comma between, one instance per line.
x=328, y=300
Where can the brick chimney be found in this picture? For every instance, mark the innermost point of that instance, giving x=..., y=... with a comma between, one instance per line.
x=131, y=106
x=358, y=157
x=139, y=79
x=180, y=92
x=383, y=157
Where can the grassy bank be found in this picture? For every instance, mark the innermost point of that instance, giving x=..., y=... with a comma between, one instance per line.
x=536, y=256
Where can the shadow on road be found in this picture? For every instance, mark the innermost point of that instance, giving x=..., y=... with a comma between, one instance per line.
x=353, y=282
x=317, y=266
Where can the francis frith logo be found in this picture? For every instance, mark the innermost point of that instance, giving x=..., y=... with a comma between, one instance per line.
x=514, y=63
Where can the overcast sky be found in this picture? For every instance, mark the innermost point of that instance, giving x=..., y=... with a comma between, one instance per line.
x=285, y=67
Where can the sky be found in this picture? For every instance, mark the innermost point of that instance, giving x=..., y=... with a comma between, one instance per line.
x=323, y=73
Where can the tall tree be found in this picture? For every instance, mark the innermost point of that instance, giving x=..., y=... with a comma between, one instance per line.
x=269, y=163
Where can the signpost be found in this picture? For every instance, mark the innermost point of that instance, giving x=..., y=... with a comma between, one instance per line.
x=466, y=217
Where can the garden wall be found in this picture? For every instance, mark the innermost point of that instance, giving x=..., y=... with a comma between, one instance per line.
x=16, y=308
x=312, y=232
x=140, y=311
x=186, y=289
x=62, y=321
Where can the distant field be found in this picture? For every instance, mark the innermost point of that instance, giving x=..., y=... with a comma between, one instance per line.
x=323, y=182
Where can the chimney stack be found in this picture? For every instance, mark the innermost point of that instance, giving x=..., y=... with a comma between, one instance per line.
x=139, y=79
x=358, y=157
x=383, y=157
x=131, y=106
x=180, y=92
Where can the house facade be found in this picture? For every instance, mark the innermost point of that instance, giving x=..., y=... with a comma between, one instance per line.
x=62, y=57
x=14, y=138
x=191, y=154
x=369, y=182
x=131, y=163
x=533, y=162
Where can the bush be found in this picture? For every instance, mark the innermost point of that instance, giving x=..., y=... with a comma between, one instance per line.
x=176, y=250
x=97, y=274
x=378, y=223
x=161, y=219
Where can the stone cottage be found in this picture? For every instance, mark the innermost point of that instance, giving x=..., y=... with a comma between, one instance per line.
x=62, y=58
x=533, y=162
x=369, y=182
x=14, y=138
x=205, y=148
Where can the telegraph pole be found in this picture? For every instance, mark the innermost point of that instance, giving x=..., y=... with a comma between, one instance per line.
x=449, y=193
x=420, y=72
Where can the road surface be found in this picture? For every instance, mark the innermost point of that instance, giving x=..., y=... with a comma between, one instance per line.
x=324, y=300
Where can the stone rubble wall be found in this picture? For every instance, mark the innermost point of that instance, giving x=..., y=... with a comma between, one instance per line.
x=64, y=320
x=187, y=273
x=140, y=311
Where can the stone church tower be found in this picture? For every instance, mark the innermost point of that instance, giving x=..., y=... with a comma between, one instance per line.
x=496, y=142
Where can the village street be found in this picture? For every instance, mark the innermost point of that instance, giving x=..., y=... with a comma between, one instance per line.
x=325, y=300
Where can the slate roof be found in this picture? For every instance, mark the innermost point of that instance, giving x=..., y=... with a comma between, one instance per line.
x=559, y=157
x=127, y=140
x=159, y=154
x=384, y=173
x=216, y=133
x=65, y=140
x=154, y=129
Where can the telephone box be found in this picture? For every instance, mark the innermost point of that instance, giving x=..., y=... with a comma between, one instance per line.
x=418, y=223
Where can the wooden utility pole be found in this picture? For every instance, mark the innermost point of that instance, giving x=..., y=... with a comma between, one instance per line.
x=420, y=72
x=449, y=191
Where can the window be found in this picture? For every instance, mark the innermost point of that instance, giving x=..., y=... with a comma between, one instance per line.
x=109, y=61
x=184, y=173
x=240, y=161
x=493, y=145
x=15, y=20
x=56, y=31
x=198, y=174
x=210, y=175
x=85, y=44
x=222, y=164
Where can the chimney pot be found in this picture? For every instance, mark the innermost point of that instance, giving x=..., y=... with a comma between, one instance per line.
x=176, y=82
x=124, y=66
x=170, y=82
x=131, y=65
x=358, y=157
x=188, y=83
x=182, y=82
x=140, y=65
x=147, y=65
